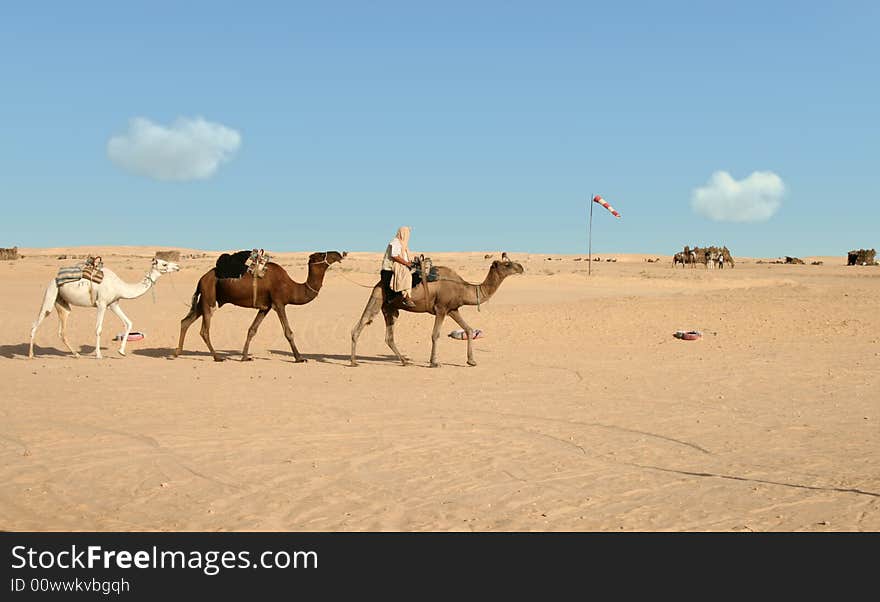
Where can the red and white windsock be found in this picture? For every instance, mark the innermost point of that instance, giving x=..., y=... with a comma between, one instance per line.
x=604, y=203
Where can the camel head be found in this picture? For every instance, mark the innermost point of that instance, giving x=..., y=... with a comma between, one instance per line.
x=328, y=257
x=164, y=267
x=505, y=267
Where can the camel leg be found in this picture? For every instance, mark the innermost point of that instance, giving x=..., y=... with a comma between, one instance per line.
x=374, y=305
x=49, y=298
x=390, y=319
x=116, y=309
x=185, y=323
x=288, y=332
x=63, y=309
x=99, y=326
x=251, y=332
x=206, y=332
x=469, y=332
x=438, y=323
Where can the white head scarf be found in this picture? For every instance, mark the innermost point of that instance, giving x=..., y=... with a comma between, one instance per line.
x=403, y=236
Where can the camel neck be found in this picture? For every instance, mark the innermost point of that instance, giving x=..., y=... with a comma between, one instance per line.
x=480, y=293
x=304, y=292
x=130, y=290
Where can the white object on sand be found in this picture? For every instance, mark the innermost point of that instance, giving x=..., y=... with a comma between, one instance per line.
x=460, y=335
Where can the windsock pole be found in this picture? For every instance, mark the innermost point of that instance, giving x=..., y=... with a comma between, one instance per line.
x=590, y=241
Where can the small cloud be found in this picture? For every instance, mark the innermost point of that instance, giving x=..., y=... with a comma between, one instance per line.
x=188, y=149
x=754, y=199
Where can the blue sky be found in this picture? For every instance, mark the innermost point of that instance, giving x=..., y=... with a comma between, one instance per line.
x=484, y=126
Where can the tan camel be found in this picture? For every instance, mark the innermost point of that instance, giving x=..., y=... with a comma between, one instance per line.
x=441, y=298
x=275, y=290
x=728, y=258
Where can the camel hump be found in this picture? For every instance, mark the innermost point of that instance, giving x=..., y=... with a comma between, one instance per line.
x=447, y=273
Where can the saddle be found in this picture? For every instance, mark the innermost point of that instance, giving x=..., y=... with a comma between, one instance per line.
x=257, y=263
x=423, y=269
x=91, y=270
x=236, y=265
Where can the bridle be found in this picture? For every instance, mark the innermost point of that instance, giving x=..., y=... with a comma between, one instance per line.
x=324, y=261
x=149, y=275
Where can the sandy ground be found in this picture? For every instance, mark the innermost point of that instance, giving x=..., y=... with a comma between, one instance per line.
x=584, y=412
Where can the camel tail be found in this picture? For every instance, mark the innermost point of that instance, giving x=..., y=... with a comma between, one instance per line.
x=49, y=298
x=195, y=299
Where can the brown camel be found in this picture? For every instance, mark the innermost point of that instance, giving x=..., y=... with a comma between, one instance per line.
x=441, y=298
x=678, y=258
x=275, y=290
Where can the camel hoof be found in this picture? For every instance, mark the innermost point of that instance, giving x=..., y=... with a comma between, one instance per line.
x=121, y=352
x=247, y=358
x=353, y=364
x=434, y=365
x=471, y=363
x=219, y=359
x=300, y=361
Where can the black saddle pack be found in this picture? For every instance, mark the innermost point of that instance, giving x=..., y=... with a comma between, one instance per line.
x=421, y=265
x=232, y=265
x=236, y=265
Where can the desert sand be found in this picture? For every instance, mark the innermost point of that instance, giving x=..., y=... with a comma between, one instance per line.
x=583, y=414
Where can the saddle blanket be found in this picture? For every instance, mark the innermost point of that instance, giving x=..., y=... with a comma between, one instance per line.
x=78, y=272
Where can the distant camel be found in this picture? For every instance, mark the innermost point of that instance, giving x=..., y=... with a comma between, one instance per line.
x=678, y=258
x=440, y=298
x=728, y=258
x=275, y=290
x=105, y=295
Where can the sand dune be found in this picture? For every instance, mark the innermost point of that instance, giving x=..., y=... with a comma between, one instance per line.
x=584, y=412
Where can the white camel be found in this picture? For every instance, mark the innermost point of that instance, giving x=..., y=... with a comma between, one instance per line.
x=84, y=293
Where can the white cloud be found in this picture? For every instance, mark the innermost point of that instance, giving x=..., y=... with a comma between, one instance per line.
x=188, y=149
x=754, y=199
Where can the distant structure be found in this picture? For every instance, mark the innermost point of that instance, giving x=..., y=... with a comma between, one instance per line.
x=708, y=256
x=9, y=254
x=168, y=255
x=861, y=257
x=795, y=260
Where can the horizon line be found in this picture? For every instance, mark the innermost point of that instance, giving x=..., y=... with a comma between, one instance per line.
x=149, y=248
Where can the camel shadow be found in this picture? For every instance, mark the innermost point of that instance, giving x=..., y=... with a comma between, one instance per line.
x=328, y=358
x=13, y=351
x=168, y=352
